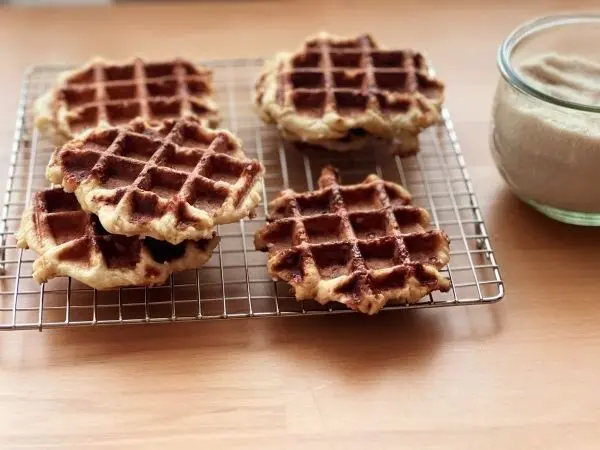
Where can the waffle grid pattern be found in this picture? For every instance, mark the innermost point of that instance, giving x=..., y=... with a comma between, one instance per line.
x=110, y=94
x=71, y=242
x=361, y=245
x=353, y=76
x=135, y=178
x=338, y=92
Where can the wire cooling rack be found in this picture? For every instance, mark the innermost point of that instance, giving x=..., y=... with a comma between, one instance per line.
x=235, y=282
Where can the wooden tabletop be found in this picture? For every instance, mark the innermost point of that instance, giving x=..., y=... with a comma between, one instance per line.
x=520, y=374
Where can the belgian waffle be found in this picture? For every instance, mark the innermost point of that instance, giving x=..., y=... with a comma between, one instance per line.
x=173, y=182
x=334, y=91
x=71, y=242
x=103, y=93
x=361, y=245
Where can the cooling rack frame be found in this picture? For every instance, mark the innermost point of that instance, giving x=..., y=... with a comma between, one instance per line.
x=235, y=283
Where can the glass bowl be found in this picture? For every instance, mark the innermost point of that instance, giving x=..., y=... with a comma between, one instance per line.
x=545, y=129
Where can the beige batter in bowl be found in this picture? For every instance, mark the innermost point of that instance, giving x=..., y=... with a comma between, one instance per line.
x=545, y=134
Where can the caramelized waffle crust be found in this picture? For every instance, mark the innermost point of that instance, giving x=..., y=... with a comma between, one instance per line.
x=173, y=182
x=103, y=93
x=361, y=245
x=335, y=87
x=71, y=242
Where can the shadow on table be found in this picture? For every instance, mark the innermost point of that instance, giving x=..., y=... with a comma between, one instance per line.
x=538, y=256
x=518, y=222
x=519, y=231
x=353, y=345
x=365, y=347
x=356, y=346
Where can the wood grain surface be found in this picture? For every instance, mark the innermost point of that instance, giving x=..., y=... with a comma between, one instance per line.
x=521, y=374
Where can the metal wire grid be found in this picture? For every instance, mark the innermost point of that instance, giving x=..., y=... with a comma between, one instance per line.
x=235, y=282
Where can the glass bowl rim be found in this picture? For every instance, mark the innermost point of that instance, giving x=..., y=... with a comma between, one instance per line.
x=527, y=29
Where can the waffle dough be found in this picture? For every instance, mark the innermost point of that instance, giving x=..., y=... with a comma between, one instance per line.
x=362, y=245
x=52, y=112
x=119, y=217
x=92, y=268
x=333, y=125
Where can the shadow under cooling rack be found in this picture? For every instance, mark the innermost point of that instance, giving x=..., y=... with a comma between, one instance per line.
x=235, y=282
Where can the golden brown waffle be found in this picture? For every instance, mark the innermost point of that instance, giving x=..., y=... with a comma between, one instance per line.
x=103, y=93
x=173, y=182
x=361, y=245
x=334, y=91
x=71, y=242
